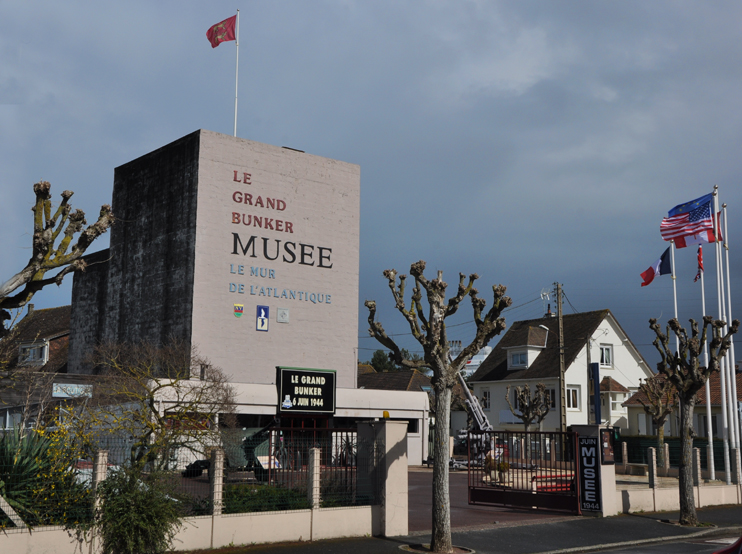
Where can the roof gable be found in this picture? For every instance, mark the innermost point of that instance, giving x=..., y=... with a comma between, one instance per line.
x=577, y=329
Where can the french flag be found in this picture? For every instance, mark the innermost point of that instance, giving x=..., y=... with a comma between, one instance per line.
x=660, y=267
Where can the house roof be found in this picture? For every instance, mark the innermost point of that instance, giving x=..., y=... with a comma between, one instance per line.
x=48, y=323
x=394, y=380
x=577, y=329
x=714, y=386
x=365, y=368
x=52, y=324
x=609, y=384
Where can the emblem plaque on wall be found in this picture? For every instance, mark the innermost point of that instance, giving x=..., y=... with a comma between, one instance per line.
x=261, y=320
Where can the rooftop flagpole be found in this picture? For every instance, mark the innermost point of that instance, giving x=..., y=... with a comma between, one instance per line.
x=237, y=68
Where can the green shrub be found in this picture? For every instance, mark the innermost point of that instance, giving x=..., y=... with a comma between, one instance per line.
x=240, y=499
x=137, y=514
x=38, y=479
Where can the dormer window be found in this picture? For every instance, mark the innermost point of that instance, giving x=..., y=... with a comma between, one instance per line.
x=33, y=354
x=519, y=359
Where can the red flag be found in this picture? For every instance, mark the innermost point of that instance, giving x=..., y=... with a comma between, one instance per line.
x=700, y=264
x=222, y=32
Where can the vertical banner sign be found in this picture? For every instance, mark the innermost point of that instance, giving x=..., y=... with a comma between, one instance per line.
x=588, y=451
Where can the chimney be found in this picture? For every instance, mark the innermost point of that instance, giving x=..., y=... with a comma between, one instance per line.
x=548, y=312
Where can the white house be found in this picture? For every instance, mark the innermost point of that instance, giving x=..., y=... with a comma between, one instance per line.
x=641, y=424
x=528, y=353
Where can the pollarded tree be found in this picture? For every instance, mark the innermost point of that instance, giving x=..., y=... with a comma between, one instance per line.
x=429, y=329
x=659, y=404
x=688, y=376
x=49, y=252
x=530, y=408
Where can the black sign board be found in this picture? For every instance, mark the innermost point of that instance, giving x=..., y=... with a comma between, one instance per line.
x=588, y=451
x=309, y=391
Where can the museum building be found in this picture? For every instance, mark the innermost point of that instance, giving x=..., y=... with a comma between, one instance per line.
x=250, y=253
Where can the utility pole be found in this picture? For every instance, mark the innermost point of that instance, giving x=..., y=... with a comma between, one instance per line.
x=562, y=385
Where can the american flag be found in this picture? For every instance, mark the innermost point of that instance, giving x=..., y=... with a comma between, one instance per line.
x=694, y=226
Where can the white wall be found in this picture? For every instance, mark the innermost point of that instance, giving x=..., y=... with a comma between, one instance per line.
x=320, y=198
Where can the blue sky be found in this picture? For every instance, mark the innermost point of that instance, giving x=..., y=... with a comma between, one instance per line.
x=530, y=142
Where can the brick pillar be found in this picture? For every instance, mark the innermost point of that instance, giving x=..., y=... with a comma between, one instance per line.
x=216, y=480
x=313, y=478
x=652, y=466
x=697, y=477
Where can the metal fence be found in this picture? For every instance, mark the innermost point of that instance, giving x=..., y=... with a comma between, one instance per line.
x=43, y=482
x=523, y=469
x=277, y=471
x=637, y=450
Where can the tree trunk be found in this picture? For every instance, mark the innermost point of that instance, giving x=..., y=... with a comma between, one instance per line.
x=688, y=514
x=660, y=443
x=441, y=536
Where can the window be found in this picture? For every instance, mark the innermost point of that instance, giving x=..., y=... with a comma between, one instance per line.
x=616, y=402
x=33, y=354
x=573, y=397
x=519, y=359
x=703, y=422
x=606, y=355
x=551, y=396
x=485, y=399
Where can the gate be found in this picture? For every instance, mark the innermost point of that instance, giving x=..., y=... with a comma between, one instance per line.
x=524, y=470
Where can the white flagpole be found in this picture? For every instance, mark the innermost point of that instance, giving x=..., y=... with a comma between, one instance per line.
x=730, y=353
x=674, y=290
x=709, y=420
x=237, y=67
x=722, y=372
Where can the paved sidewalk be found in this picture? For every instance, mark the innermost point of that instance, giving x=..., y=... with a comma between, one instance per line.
x=559, y=536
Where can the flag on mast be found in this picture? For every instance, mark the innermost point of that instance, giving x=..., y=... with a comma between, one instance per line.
x=222, y=32
x=690, y=223
x=700, y=263
x=663, y=266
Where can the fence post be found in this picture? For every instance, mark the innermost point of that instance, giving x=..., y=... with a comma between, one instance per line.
x=625, y=456
x=666, y=459
x=216, y=480
x=734, y=455
x=652, y=466
x=697, y=478
x=100, y=470
x=313, y=478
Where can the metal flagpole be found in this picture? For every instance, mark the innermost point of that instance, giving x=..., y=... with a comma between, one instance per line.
x=674, y=290
x=722, y=373
x=237, y=67
x=709, y=420
x=730, y=353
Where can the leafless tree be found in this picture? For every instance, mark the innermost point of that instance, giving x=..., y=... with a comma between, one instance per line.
x=50, y=252
x=530, y=408
x=659, y=404
x=429, y=329
x=164, y=397
x=683, y=370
